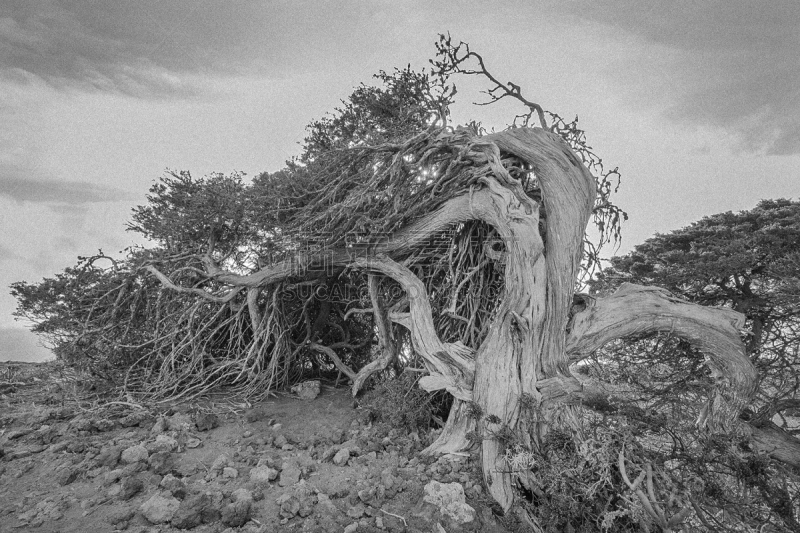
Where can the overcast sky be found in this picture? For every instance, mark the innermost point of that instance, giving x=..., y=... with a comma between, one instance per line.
x=698, y=103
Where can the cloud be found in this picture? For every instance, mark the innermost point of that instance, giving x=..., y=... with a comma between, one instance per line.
x=154, y=48
x=731, y=64
x=136, y=48
x=21, y=345
x=7, y=254
x=59, y=194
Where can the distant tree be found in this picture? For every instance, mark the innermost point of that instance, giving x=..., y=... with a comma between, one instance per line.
x=395, y=239
x=748, y=262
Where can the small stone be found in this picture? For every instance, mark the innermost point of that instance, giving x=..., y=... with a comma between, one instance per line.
x=134, y=454
x=159, y=509
x=160, y=426
x=206, y=421
x=109, y=456
x=255, y=415
x=161, y=463
x=164, y=443
x=119, y=516
x=220, y=463
x=341, y=457
x=290, y=474
x=449, y=497
x=247, y=434
x=352, y=528
x=308, y=390
x=230, y=473
x=180, y=422
x=237, y=513
x=280, y=441
x=289, y=505
x=131, y=486
x=174, y=485
x=262, y=475
x=103, y=424
x=366, y=495
x=190, y=512
x=67, y=476
x=357, y=511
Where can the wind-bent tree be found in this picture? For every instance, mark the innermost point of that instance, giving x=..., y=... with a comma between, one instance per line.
x=395, y=238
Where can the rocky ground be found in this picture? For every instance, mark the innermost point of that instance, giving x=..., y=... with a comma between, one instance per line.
x=285, y=464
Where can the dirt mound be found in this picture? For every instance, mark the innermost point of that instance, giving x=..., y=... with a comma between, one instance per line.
x=283, y=465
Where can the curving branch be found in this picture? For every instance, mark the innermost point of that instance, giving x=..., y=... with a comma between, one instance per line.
x=451, y=364
x=636, y=310
x=343, y=368
x=386, y=342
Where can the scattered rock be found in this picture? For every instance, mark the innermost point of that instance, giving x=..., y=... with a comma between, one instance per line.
x=67, y=476
x=176, y=486
x=119, y=516
x=352, y=528
x=237, y=513
x=262, y=475
x=180, y=422
x=103, y=424
x=290, y=474
x=341, y=457
x=160, y=509
x=206, y=421
x=131, y=486
x=46, y=434
x=219, y=464
x=289, y=505
x=280, y=441
x=357, y=511
x=164, y=443
x=256, y=415
x=190, y=513
x=160, y=426
x=449, y=498
x=230, y=473
x=134, y=454
x=308, y=390
x=161, y=463
x=109, y=456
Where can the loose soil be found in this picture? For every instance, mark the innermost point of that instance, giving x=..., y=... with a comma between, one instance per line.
x=70, y=463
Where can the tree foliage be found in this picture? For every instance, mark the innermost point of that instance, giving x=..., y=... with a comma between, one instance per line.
x=749, y=262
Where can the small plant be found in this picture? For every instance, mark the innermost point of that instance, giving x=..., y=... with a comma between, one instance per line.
x=400, y=403
x=518, y=458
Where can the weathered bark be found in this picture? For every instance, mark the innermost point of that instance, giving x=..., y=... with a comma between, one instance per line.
x=771, y=440
x=451, y=364
x=386, y=343
x=527, y=343
x=636, y=310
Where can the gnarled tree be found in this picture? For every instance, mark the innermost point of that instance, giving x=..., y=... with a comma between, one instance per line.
x=468, y=248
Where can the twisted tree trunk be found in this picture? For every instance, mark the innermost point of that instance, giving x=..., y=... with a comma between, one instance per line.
x=532, y=340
